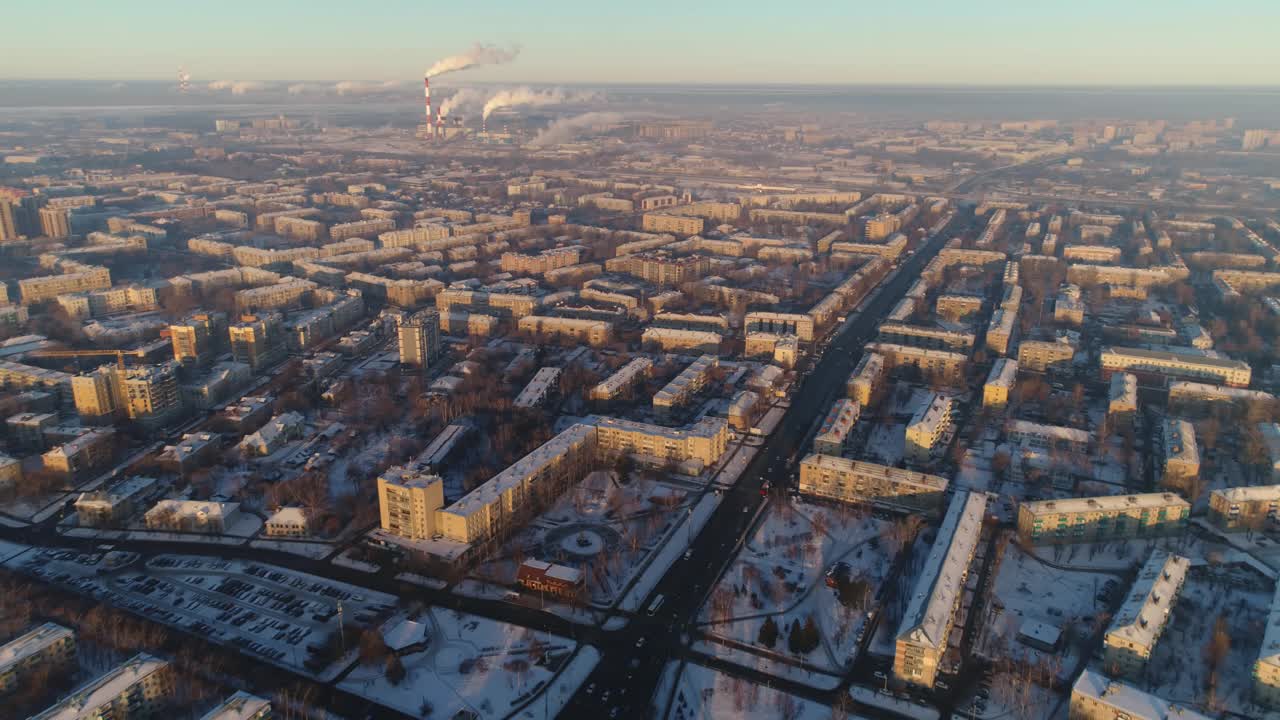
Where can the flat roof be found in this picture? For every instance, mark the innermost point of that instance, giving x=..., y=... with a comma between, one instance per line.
x=933, y=599
x=80, y=704
x=1106, y=503
x=30, y=643
x=1124, y=697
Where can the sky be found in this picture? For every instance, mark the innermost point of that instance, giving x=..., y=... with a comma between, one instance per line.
x=936, y=42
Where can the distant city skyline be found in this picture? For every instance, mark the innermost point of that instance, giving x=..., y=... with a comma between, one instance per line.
x=988, y=42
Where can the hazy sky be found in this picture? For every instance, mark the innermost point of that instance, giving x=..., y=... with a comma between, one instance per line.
x=820, y=41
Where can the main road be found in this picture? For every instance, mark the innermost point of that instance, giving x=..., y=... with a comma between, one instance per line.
x=634, y=657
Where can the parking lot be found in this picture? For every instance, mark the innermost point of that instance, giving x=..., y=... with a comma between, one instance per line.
x=277, y=615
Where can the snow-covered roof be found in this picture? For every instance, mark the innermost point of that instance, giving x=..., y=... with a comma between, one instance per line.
x=1041, y=632
x=288, y=516
x=520, y=470
x=1003, y=373
x=928, y=417
x=1106, y=503
x=80, y=704
x=538, y=387
x=840, y=420
x=933, y=600
x=1141, y=618
x=404, y=633
x=241, y=706
x=1178, y=441
x=1131, y=701
x=30, y=643
x=1253, y=493
x=1269, y=653
x=1055, y=432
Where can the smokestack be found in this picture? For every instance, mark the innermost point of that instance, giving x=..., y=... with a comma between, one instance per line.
x=484, y=125
x=426, y=93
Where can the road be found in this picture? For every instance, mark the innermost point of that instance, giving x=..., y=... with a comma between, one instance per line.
x=634, y=657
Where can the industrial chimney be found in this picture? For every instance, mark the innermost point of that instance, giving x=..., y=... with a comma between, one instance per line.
x=426, y=93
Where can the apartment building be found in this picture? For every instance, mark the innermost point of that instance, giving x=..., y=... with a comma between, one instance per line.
x=867, y=378
x=1000, y=382
x=672, y=223
x=408, y=501
x=288, y=522
x=145, y=393
x=926, y=337
x=1238, y=509
x=138, y=689
x=287, y=293
x=923, y=635
x=686, y=385
x=49, y=647
x=77, y=458
x=670, y=339
x=934, y=364
x=928, y=426
x=802, y=326
x=661, y=268
x=509, y=305
x=542, y=262
x=1266, y=669
x=1000, y=330
x=1179, y=456
x=1138, y=624
x=596, y=333
x=241, y=706
x=833, y=434
x=114, y=506
x=625, y=377
x=691, y=448
x=1097, y=697
x=257, y=340
x=1176, y=364
x=419, y=338
x=48, y=287
x=1042, y=356
x=198, y=516
x=856, y=482
x=198, y=338
x=1122, y=400
x=1104, y=518
x=545, y=382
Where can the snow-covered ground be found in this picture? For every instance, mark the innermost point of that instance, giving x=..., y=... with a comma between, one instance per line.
x=601, y=526
x=886, y=443
x=700, y=692
x=780, y=574
x=1178, y=670
x=1027, y=591
x=314, y=550
x=895, y=705
x=680, y=538
x=483, y=666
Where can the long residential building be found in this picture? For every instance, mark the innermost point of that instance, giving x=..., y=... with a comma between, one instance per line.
x=673, y=339
x=1176, y=364
x=1141, y=619
x=1097, y=697
x=628, y=375
x=1105, y=518
x=48, y=647
x=1266, y=669
x=684, y=386
x=934, y=364
x=867, y=378
x=855, y=481
x=546, y=327
x=927, y=623
x=141, y=687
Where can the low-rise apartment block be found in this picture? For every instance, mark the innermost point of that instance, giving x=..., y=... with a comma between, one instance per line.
x=1000, y=382
x=1104, y=518
x=48, y=647
x=855, y=482
x=1238, y=509
x=923, y=635
x=836, y=427
x=1176, y=364
x=141, y=687
x=927, y=428
x=1138, y=624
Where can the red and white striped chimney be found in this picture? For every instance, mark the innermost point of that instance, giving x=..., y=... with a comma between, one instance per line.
x=426, y=93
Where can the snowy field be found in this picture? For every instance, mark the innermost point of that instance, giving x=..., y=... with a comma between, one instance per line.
x=780, y=575
x=1028, y=591
x=1179, y=668
x=472, y=664
x=700, y=692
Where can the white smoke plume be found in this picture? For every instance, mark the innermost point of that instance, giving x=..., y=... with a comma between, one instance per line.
x=466, y=97
x=528, y=97
x=305, y=89
x=238, y=87
x=479, y=54
x=358, y=87
x=564, y=130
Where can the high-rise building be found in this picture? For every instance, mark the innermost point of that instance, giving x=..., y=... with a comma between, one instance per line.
x=198, y=338
x=408, y=502
x=257, y=340
x=148, y=394
x=420, y=338
x=55, y=222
